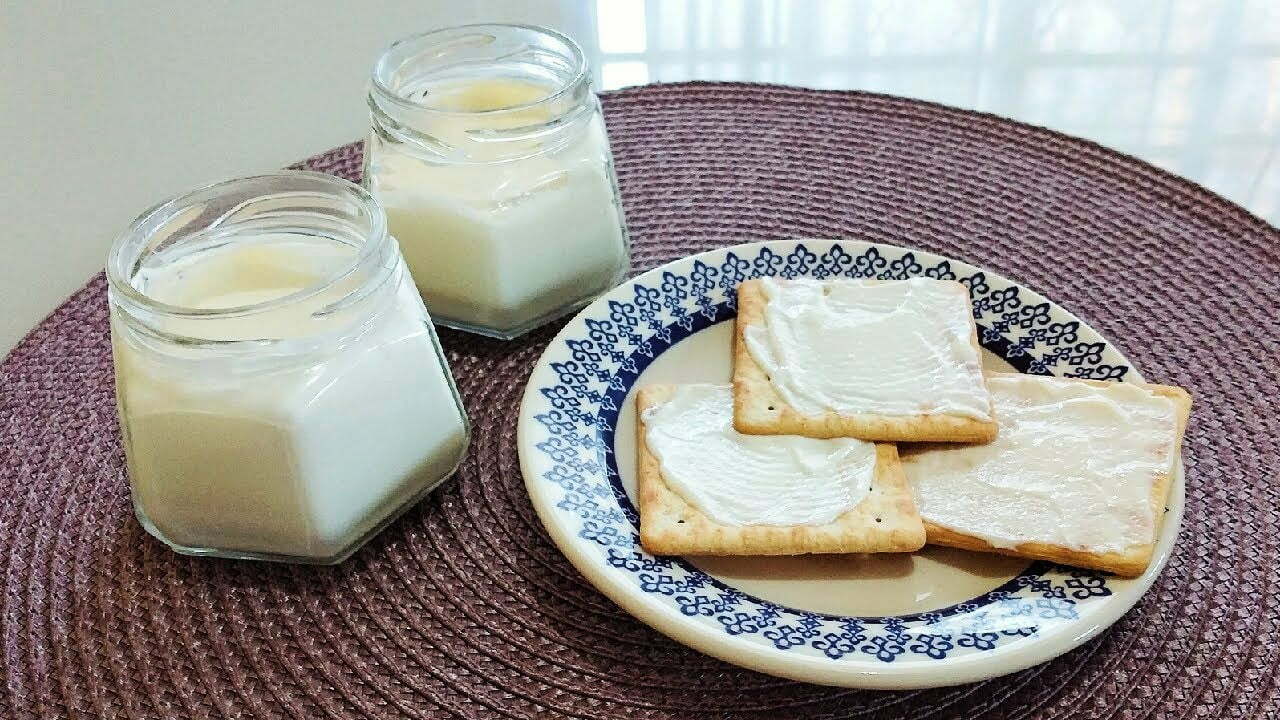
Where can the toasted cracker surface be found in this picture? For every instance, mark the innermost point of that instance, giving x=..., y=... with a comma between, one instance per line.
x=758, y=408
x=885, y=520
x=1133, y=561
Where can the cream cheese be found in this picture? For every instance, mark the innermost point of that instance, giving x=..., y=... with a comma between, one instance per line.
x=897, y=348
x=505, y=231
x=1073, y=465
x=290, y=453
x=749, y=479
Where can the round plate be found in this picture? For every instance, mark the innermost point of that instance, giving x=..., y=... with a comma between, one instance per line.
x=937, y=617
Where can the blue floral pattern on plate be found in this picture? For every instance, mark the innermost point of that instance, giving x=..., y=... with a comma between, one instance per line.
x=622, y=337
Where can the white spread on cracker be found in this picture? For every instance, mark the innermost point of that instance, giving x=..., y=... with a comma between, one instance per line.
x=739, y=479
x=902, y=347
x=1073, y=465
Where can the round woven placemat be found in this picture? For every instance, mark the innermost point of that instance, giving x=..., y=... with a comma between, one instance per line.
x=464, y=608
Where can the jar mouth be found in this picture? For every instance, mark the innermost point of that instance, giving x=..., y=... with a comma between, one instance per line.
x=439, y=44
x=231, y=202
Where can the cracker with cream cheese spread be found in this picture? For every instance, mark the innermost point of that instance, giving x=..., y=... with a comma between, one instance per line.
x=759, y=409
x=885, y=520
x=1130, y=562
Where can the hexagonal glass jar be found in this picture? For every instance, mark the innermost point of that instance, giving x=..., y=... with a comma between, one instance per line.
x=489, y=152
x=281, y=389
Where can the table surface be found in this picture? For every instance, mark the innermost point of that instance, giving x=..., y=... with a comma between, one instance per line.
x=109, y=109
x=464, y=609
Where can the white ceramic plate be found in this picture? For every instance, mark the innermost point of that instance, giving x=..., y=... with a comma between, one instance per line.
x=937, y=617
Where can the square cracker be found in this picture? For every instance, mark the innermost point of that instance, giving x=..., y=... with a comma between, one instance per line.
x=885, y=521
x=758, y=408
x=1130, y=563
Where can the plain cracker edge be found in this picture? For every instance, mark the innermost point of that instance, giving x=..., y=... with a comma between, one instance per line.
x=758, y=409
x=660, y=508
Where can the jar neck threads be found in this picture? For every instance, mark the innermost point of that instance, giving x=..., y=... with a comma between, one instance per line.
x=481, y=93
x=221, y=264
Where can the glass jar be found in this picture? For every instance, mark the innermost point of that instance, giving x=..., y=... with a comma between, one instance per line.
x=281, y=390
x=489, y=152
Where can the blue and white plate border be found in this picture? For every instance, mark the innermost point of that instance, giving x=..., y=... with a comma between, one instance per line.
x=565, y=441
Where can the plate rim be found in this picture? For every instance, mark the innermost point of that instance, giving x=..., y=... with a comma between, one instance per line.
x=845, y=672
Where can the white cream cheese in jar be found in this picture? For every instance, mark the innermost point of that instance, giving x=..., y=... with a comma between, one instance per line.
x=1073, y=465
x=899, y=347
x=301, y=412
x=497, y=179
x=740, y=479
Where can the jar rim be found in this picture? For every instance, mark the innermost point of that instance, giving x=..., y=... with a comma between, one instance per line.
x=118, y=260
x=384, y=91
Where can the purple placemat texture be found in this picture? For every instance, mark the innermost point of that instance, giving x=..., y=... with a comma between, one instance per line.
x=464, y=608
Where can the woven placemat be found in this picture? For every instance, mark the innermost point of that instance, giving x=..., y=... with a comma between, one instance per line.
x=464, y=608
